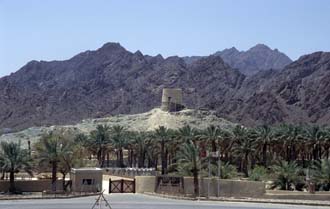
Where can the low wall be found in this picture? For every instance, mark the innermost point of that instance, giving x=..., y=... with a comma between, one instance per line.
x=31, y=185
x=145, y=184
x=227, y=188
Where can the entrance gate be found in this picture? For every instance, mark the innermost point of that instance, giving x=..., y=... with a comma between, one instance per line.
x=122, y=186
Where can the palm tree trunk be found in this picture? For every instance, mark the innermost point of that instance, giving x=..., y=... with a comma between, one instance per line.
x=141, y=160
x=196, y=183
x=63, y=181
x=214, y=146
x=121, y=158
x=130, y=158
x=288, y=154
x=245, y=165
x=12, y=182
x=156, y=164
x=54, y=177
x=163, y=157
x=103, y=158
x=134, y=160
x=264, y=155
x=149, y=163
x=99, y=157
x=108, y=159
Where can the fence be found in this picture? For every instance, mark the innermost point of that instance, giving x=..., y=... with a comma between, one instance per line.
x=129, y=172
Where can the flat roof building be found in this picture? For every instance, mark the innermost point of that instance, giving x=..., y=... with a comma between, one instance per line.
x=86, y=179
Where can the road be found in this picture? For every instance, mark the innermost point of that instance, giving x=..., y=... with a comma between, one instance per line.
x=136, y=201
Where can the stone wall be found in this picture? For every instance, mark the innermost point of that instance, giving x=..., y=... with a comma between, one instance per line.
x=145, y=184
x=31, y=185
x=228, y=188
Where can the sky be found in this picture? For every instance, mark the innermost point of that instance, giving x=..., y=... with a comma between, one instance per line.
x=57, y=30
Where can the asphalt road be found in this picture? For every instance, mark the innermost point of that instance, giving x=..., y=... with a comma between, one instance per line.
x=136, y=201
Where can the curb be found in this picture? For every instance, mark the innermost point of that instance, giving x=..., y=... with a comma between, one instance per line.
x=45, y=198
x=223, y=199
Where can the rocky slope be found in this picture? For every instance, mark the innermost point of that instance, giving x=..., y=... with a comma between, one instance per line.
x=298, y=94
x=258, y=58
x=112, y=80
x=148, y=121
x=108, y=81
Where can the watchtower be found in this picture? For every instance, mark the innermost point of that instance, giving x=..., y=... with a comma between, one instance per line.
x=172, y=99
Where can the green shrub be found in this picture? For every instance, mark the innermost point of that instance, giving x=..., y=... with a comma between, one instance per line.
x=259, y=173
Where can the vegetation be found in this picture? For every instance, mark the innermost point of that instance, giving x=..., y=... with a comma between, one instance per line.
x=189, y=162
x=289, y=155
x=287, y=175
x=13, y=159
x=259, y=173
x=54, y=151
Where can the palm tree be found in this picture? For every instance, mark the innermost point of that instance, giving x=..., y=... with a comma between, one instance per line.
x=287, y=174
x=81, y=148
x=99, y=142
x=72, y=156
x=189, y=161
x=290, y=137
x=321, y=173
x=186, y=134
x=119, y=141
x=315, y=136
x=211, y=134
x=264, y=136
x=162, y=135
x=50, y=150
x=140, y=142
x=226, y=143
x=326, y=144
x=244, y=147
x=13, y=159
x=153, y=150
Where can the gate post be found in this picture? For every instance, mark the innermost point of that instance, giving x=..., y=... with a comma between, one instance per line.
x=109, y=185
x=134, y=185
x=122, y=186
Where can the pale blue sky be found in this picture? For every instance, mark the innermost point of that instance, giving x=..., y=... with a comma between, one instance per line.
x=57, y=30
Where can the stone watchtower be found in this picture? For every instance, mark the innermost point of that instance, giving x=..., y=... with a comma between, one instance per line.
x=172, y=100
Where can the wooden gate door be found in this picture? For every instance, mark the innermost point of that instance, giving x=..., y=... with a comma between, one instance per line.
x=122, y=186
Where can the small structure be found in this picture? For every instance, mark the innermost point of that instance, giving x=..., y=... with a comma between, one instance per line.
x=86, y=179
x=172, y=100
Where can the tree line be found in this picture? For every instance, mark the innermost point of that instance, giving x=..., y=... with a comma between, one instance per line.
x=290, y=155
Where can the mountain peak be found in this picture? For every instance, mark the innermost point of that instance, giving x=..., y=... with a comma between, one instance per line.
x=111, y=46
x=232, y=49
x=138, y=53
x=260, y=47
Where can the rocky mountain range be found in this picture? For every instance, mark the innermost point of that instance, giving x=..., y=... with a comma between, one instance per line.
x=112, y=80
x=257, y=58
